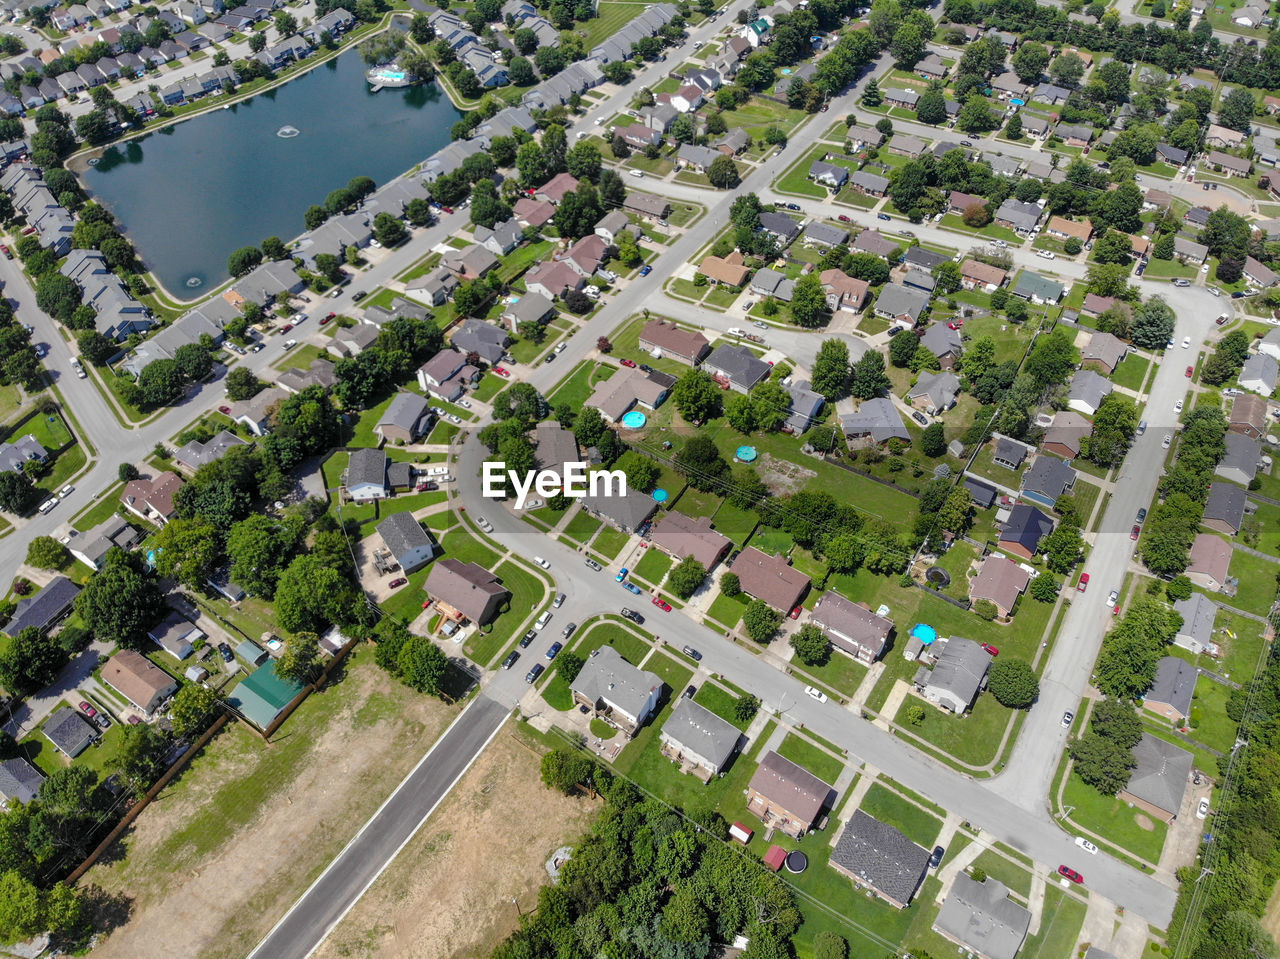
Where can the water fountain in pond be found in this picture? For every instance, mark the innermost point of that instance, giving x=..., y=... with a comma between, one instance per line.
x=287, y=132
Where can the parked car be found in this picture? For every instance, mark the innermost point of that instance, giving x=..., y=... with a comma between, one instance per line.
x=1084, y=583
x=662, y=604
x=592, y=564
x=558, y=601
x=622, y=574
x=1190, y=372
x=66, y=491
x=1133, y=533
x=397, y=583
x=795, y=613
x=632, y=615
x=553, y=649
x=1186, y=342
x=689, y=692
x=991, y=649
x=87, y=709
x=225, y=651
x=843, y=219
x=631, y=588
x=102, y=720
x=1087, y=846
x=500, y=371
x=646, y=270
x=920, y=418
x=1167, y=441
x=1202, y=810
x=8, y=254
x=534, y=673
x=1067, y=719
x=1070, y=873
x=528, y=638
x=1222, y=318
x=814, y=693
x=1142, y=515
x=1177, y=407
x=883, y=216
x=629, y=363
x=427, y=486
x=540, y=561
x=510, y=660
x=568, y=630
x=691, y=653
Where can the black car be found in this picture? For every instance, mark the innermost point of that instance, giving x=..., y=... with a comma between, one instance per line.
x=936, y=859
x=689, y=692
x=646, y=368
x=550, y=357
x=1142, y=514
x=534, y=673
x=692, y=653
x=793, y=206
x=102, y=721
x=920, y=418
x=528, y=638
x=510, y=660
x=632, y=615
x=225, y=650
x=358, y=296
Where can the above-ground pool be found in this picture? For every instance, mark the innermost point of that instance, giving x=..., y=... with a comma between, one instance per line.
x=746, y=454
x=926, y=634
x=937, y=576
x=660, y=495
x=633, y=420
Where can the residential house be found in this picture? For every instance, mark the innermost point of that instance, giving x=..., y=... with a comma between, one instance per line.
x=737, y=366
x=1035, y=126
x=587, y=255
x=1010, y=453
x=817, y=233
x=335, y=236
x=1198, y=613
x=906, y=99
x=901, y=305
x=981, y=919
x=1188, y=251
x=829, y=175
x=366, y=475
x=931, y=67
x=1250, y=16
x=1066, y=434
x=1171, y=154
x=682, y=536
x=534, y=213
x=1248, y=415
x=353, y=340
x=918, y=279
x=410, y=545
x=1001, y=580
x=843, y=291
x=958, y=202
x=435, y=287
x=612, y=225
x=982, y=494
x=1157, y=200
x=318, y=373
x=196, y=454
x=1197, y=216
x=470, y=263
x=1065, y=229
x=1240, y=463
x=1226, y=163
x=91, y=546
x=627, y=513
x=1270, y=344
x=787, y=797
x=935, y=393
x=871, y=241
x=406, y=419
x=555, y=189
x=734, y=142
x=622, y=695
x=152, y=499
x=1088, y=390
x=1038, y=289
x=659, y=117
x=465, y=591
x=981, y=276
x=1051, y=94
x=1225, y=508
x=662, y=338
x=1223, y=137
x=446, y=374
x=874, y=423
x=1021, y=534
x=729, y=270
x=14, y=456
x=959, y=672
x=1008, y=85
x=176, y=635
x=1159, y=778
x=1046, y=480
x=944, y=343
x=851, y=627
x=1104, y=352
x=879, y=858
x=69, y=731
x=769, y=282
x=1074, y=134
x=780, y=226
x=1260, y=374
x=869, y=184
x=19, y=781
x=531, y=308
x=770, y=578
x=697, y=157
x=1018, y=216
x=1256, y=274
x=699, y=740
x=1210, y=561
x=139, y=680
x=907, y=146
x=502, y=239
x=553, y=278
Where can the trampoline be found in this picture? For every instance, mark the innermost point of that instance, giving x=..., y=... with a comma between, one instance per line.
x=746, y=454
x=633, y=420
x=926, y=634
x=937, y=576
x=660, y=495
x=797, y=862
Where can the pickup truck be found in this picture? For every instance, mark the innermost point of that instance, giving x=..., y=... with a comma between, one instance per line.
x=736, y=331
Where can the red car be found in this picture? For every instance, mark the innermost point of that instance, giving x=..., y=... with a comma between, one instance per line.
x=1070, y=874
x=396, y=583
x=500, y=371
x=1084, y=583
x=286, y=328
x=795, y=613
x=662, y=604
x=427, y=487
x=8, y=254
x=991, y=649
x=87, y=709
x=953, y=326
x=326, y=319
x=843, y=219
x=1190, y=372
x=224, y=410
x=1133, y=533
x=447, y=209
x=630, y=363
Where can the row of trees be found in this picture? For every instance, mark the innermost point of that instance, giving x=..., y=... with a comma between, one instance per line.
x=1173, y=523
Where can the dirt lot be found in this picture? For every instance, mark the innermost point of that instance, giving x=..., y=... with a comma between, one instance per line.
x=448, y=894
x=218, y=858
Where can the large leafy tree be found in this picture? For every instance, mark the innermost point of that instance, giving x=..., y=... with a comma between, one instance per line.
x=831, y=369
x=1101, y=763
x=761, y=620
x=867, y=378
x=686, y=576
x=696, y=396
x=188, y=550
x=811, y=645
x=311, y=595
x=121, y=601
x=1013, y=682
x=192, y=709
x=809, y=302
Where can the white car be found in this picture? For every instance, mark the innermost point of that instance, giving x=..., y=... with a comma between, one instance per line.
x=66, y=491
x=1214, y=291
x=560, y=347
x=1177, y=407
x=1205, y=268
x=815, y=693
x=1086, y=845
x=542, y=562
x=1186, y=342
x=635, y=173
x=1167, y=441
x=290, y=344
x=465, y=404
x=1046, y=254
x=1203, y=809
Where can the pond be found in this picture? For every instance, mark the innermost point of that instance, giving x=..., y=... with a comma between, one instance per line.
x=190, y=194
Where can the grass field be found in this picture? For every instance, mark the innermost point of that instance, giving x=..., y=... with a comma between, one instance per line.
x=653, y=566
x=972, y=740
x=1109, y=817
x=804, y=753
x=1257, y=587
x=1131, y=371
x=890, y=807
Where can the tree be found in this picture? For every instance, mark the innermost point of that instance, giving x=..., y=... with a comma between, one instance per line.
x=933, y=442
x=1101, y=763
x=1114, y=425
x=1068, y=68
x=95, y=347
x=1153, y=323
x=310, y=595
x=811, y=646
x=867, y=378
x=1013, y=682
x=57, y=295
x=761, y=620
x=976, y=215
x=696, y=396
x=903, y=347
x=976, y=116
x=730, y=584
x=16, y=494
x=192, y=709
x=45, y=552
x=770, y=405
x=907, y=47
x=1062, y=548
x=1029, y=61
x=740, y=412
x=242, y=384
x=686, y=576
x=31, y=662
x=830, y=945
x=121, y=602
x=1013, y=129
x=956, y=512
x=21, y=912
x=188, y=550
x=160, y=382
x=301, y=655
x=931, y=108
x=723, y=173
x=193, y=361
x=701, y=463
x=809, y=302
x=872, y=96
x=831, y=369
x=388, y=230
x=244, y=260
x=745, y=709
x=1178, y=588
x=1237, y=110
x=1044, y=589
x=1117, y=721
x=566, y=771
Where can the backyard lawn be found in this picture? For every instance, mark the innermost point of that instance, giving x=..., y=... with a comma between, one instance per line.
x=972, y=739
x=1256, y=590
x=1215, y=728
x=461, y=545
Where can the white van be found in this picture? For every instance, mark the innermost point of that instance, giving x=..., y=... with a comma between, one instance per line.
x=48, y=504
x=543, y=620
x=636, y=173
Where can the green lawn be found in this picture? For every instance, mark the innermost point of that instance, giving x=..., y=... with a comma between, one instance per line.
x=49, y=429
x=301, y=357
x=576, y=388
x=1131, y=371
x=653, y=566
x=696, y=503
x=1109, y=817
x=795, y=181
x=609, y=542
x=582, y=526
x=1257, y=587
x=973, y=739
x=721, y=702
x=461, y=545
x=1214, y=728
x=735, y=523
x=804, y=753
x=890, y=807
x=840, y=672
x=990, y=231
x=1157, y=269
x=527, y=592
x=490, y=386
x=103, y=508
x=1012, y=874
x=727, y=610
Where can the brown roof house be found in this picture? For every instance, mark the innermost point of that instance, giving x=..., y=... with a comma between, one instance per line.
x=728, y=270
x=152, y=499
x=1104, y=352
x=465, y=590
x=138, y=680
x=878, y=857
x=667, y=339
x=1001, y=581
x=975, y=275
x=1248, y=415
x=1210, y=560
x=771, y=578
x=622, y=695
x=1064, y=436
x=1065, y=229
x=851, y=627
x=680, y=536
x=844, y=292
x=786, y=796
x=618, y=394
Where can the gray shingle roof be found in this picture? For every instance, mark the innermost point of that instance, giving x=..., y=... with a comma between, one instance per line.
x=367, y=466
x=1226, y=502
x=962, y=665
x=69, y=731
x=941, y=388
x=626, y=512
x=1090, y=388
x=881, y=856
x=1198, y=613
x=1261, y=369
x=895, y=300
x=742, y=366
x=939, y=339
x=607, y=676
x=403, y=534
x=983, y=917
x=407, y=411
x=779, y=224
x=1174, y=685
x=1026, y=526
x=1023, y=216
x=825, y=234
x=19, y=780
x=1242, y=454
x=879, y=417
x=1048, y=475
x=699, y=730
x=1161, y=774
x=1033, y=284
x=44, y=607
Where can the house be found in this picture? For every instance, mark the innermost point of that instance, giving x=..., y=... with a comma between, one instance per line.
x=661, y=338
x=1048, y=478
x=756, y=32
x=843, y=291
x=871, y=241
x=1260, y=373
x=1066, y=434
x=471, y=262
x=1038, y=289
x=770, y=578
x=780, y=226
x=587, y=255
x=406, y=419
x=805, y=407
x=1074, y=134
x=817, y=233
x=318, y=373
x=335, y=236
x=1256, y=274
x=70, y=733
x=1270, y=344
x=138, y=680
x=502, y=239
x=1250, y=16
x=981, y=276
x=555, y=189
x=1157, y=200
x=922, y=259
x=981, y=919
x=1223, y=137
x=1265, y=150
x=1088, y=390
x=1003, y=165
x=534, y=213
x=1225, y=508
x=433, y=288
x=737, y=366
x=627, y=513
x=734, y=142
x=983, y=494
x=944, y=343
x=728, y=270
x=1051, y=94
x=1018, y=216
x=612, y=225
x=699, y=740
x=931, y=67
x=1188, y=251
x=1171, y=154
x=787, y=797
x=354, y=340
x=1065, y=229
x=907, y=145
x=406, y=540
x=465, y=591
x=1010, y=453
x=366, y=475
x=1197, y=216
x=553, y=278
x=176, y=635
x=935, y=393
x=1159, y=778
x=898, y=97
x=874, y=423
x=615, y=396
x=697, y=157
x=1022, y=532
x=878, y=857
x=1248, y=415
x=622, y=695
x=1001, y=580
x=1210, y=561
x=152, y=499
x=851, y=627
x=681, y=536
x=958, y=202
x=45, y=609
x=959, y=672
x=687, y=97
x=531, y=308
x=829, y=175
x=919, y=279
x=901, y=304
x=769, y=282
x=13, y=456
x=1240, y=463
x=1226, y=163
x=92, y=546
x=1198, y=613
x=19, y=781
x=1009, y=85
x=1104, y=351
x=445, y=374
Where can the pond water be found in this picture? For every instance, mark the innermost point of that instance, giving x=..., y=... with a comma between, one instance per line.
x=192, y=193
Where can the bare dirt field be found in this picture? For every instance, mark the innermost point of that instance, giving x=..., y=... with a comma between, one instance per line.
x=448, y=894
x=223, y=852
